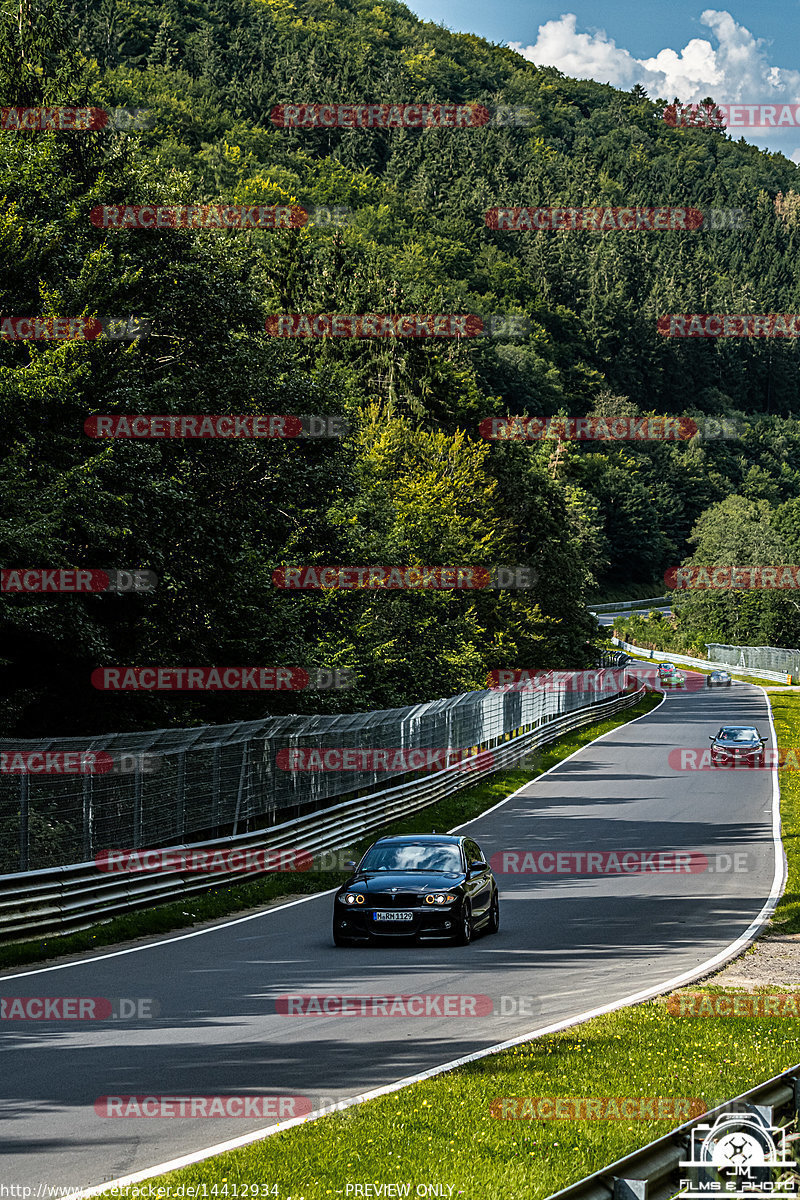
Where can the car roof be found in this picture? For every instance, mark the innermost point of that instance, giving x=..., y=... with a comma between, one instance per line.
x=415, y=838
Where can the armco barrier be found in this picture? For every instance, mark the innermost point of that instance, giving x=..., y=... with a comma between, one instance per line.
x=684, y=661
x=654, y=1171
x=63, y=899
x=596, y=608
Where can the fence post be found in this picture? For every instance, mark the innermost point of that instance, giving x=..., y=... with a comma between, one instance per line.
x=87, y=817
x=242, y=777
x=137, y=810
x=216, y=787
x=180, y=788
x=24, y=840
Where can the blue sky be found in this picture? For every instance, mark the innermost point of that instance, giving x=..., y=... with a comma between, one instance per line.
x=742, y=53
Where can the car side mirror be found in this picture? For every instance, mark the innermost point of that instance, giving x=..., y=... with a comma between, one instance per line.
x=350, y=865
x=477, y=867
x=711, y=737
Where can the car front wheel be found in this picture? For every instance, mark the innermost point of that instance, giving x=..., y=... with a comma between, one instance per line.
x=463, y=935
x=494, y=915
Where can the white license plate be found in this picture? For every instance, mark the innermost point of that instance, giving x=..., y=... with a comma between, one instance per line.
x=393, y=916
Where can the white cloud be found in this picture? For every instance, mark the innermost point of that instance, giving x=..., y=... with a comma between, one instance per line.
x=736, y=69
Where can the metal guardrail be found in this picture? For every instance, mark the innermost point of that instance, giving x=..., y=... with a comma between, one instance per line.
x=706, y=664
x=64, y=899
x=596, y=608
x=652, y=1172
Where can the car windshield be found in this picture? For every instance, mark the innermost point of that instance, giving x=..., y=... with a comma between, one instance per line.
x=666, y=667
x=413, y=857
x=732, y=734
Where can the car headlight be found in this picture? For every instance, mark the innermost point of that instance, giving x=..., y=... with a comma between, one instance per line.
x=352, y=898
x=439, y=898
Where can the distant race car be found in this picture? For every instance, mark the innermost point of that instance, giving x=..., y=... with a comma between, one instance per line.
x=430, y=887
x=718, y=679
x=737, y=743
x=668, y=673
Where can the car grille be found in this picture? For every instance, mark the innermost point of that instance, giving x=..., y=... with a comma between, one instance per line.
x=394, y=899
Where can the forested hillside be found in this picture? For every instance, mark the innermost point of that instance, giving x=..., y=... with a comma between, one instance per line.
x=413, y=483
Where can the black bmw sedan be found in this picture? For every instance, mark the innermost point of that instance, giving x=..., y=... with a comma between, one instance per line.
x=429, y=887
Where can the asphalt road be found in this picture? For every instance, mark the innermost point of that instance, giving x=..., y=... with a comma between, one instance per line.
x=570, y=942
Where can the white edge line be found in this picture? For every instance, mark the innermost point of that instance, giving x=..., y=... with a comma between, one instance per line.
x=181, y=937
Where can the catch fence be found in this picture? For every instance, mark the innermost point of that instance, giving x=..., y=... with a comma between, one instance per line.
x=767, y=658
x=171, y=786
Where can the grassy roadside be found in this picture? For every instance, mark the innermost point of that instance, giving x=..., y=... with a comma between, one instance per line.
x=786, y=715
x=238, y=898
x=442, y=1131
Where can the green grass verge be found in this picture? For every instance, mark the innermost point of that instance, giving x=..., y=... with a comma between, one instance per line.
x=442, y=1131
x=221, y=902
x=786, y=715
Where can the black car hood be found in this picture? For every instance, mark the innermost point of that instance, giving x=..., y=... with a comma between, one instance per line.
x=407, y=881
